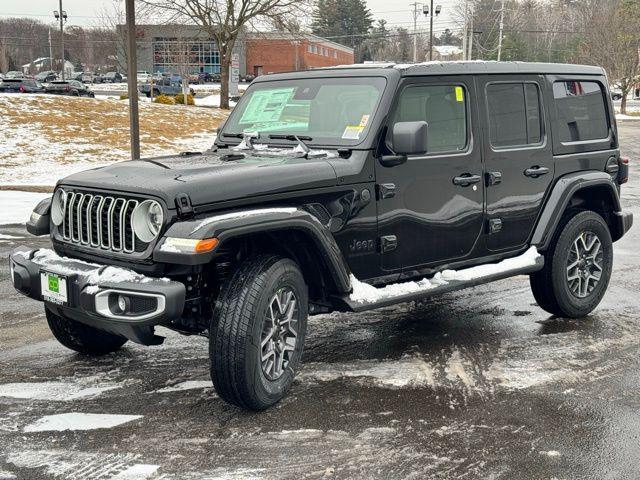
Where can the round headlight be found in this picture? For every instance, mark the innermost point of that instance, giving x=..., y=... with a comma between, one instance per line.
x=57, y=207
x=147, y=220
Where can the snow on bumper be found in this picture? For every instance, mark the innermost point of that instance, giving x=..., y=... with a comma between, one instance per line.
x=109, y=298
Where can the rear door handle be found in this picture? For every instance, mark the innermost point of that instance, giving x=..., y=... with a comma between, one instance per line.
x=535, y=172
x=466, y=179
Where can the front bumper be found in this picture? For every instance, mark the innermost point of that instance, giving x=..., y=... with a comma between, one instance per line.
x=93, y=290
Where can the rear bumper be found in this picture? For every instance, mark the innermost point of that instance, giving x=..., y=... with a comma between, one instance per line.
x=623, y=222
x=93, y=291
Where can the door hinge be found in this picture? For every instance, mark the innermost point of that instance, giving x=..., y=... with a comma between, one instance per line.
x=495, y=225
x=386, y=190
x=493, y=178
x=388, y=243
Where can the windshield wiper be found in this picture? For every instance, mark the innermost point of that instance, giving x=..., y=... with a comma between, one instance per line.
x=293, y=138
x=233, y=135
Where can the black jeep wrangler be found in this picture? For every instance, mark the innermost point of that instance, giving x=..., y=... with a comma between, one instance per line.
x=338, y=189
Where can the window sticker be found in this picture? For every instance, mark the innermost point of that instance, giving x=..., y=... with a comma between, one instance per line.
x=352, y=132
x=266, y=105
x=459, y=94
x=364, y=120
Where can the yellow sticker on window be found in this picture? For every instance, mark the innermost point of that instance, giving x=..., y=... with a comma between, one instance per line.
x=459, y=94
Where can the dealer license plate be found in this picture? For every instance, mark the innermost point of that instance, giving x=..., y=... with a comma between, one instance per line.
x=54, y=288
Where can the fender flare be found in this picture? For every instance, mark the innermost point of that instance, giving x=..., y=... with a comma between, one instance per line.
x=234, y=224
x=559, y=198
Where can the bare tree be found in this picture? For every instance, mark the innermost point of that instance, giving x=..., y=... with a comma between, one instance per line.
x=613, y=42
x=226, y=20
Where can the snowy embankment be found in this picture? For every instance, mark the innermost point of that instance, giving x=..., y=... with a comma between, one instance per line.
x=17, y=206
x=47, y=137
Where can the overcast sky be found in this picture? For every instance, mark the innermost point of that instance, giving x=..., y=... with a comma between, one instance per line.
x=85, y=12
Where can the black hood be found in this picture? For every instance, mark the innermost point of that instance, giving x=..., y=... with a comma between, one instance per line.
x=207, y=178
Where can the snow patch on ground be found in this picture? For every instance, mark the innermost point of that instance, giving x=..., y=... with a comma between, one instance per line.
x=74, y=465
x=408, y=371
x=188, y=385
x=78, y=421
x=17, y=206
x=52, y=391
x=364, y=293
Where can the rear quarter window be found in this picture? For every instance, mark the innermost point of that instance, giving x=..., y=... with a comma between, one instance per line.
x=581, y=111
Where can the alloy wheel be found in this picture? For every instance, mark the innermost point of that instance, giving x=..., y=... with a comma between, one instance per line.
x=279, y=333
x=584, y=265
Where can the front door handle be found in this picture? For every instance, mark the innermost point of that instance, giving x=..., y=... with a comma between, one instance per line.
x=466, y=179
x=535, y=172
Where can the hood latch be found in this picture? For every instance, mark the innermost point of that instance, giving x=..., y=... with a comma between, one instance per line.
x=183, y=204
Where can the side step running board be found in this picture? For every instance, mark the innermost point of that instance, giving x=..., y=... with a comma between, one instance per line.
x=439, y=284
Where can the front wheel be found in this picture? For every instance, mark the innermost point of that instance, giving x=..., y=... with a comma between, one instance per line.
x=82, y=338
x=257, y=332
x=577, y=267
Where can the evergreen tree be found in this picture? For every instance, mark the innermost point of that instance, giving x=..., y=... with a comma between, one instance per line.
x=343, y=21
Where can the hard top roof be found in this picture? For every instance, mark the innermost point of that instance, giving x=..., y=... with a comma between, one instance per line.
x=473, y=67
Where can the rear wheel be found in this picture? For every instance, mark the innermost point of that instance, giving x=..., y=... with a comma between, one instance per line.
x=82, y=338
x=577, y=267
x=257, y=332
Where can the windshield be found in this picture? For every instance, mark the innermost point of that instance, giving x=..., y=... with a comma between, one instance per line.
x=325, y=111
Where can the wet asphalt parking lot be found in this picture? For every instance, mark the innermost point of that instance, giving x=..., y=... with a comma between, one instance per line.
x=478, y=384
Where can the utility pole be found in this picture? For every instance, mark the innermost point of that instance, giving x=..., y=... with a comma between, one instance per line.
x=501, y=29
x=50, y=51
x=62, y=16
x=415, y=31
x=465, y=30
x=132, y=80
x=431, y=32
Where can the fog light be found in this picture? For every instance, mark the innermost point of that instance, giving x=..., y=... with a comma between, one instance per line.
x=122, y=303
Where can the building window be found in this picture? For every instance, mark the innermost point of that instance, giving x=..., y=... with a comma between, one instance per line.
x=310, y=48
x=335, y=54
x=171, y=54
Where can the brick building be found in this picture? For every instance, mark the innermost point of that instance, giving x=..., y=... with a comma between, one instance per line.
x=160, y=48
x=281, y=52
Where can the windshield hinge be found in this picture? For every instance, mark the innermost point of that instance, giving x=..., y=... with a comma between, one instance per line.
x=183, y=204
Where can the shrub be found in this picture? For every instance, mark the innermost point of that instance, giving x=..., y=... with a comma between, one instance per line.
x=164, y=99
x=180, y=99
x=124, y=96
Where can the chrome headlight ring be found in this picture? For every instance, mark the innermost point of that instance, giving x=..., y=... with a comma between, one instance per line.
x=58, y=206
x=147, y=220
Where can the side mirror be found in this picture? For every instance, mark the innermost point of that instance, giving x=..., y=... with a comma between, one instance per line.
x=408, y=138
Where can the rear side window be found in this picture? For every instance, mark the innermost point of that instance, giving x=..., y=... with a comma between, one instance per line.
x=444, y=109
x=515, y=117
x=581, y=111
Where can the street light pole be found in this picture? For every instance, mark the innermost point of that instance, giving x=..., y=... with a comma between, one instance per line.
x=431, y=32
x=132, y=80
x=62, y=16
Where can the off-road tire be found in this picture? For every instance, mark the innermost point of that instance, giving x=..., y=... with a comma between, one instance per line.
x=550, y=286
x=82, y=338
x=236, y=331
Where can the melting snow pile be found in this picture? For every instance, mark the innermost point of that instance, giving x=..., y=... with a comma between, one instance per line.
x=51, y=260
x=365, y=293
x=242, y=214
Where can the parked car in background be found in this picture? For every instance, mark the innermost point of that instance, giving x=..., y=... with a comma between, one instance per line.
x=46, y=76
x=143, y=76
x=91, y=77
x=73, y=88
x=205, y=77
x=195, y=78
x=20, y=85
x=216, y=78
x=248, y=78
x=616, y=94
x=166, y=86
x=14, y=74
x=112, y=77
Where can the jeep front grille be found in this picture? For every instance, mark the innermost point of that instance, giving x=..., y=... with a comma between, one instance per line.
x=99, y=221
